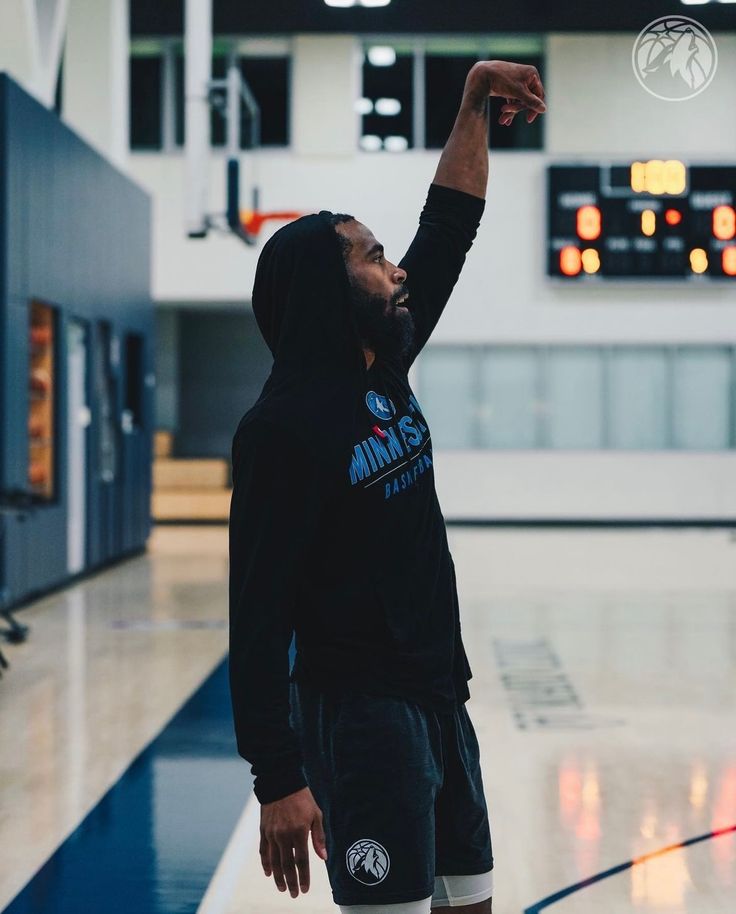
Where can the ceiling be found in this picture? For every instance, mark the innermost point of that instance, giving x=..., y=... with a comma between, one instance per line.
x=166, y=17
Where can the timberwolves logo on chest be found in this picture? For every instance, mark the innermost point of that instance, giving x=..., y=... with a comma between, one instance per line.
x=367, y=861
x=379, y=405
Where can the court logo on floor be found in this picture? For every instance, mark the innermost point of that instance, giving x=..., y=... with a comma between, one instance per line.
x=674, y=58
x=379, y=405
x=367, y=861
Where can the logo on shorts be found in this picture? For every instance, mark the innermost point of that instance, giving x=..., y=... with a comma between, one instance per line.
x=367, y=861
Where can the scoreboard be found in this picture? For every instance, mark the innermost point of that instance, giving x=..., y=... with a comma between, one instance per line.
x=654, y=219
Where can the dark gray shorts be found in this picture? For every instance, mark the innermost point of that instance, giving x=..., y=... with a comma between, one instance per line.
x=400, y=791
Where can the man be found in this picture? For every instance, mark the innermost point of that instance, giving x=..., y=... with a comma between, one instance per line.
x=336, y=534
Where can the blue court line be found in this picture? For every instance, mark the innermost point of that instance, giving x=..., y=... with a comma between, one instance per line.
x=152, y=842
x=563, y=893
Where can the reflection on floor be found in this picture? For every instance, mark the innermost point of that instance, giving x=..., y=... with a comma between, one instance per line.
x=603, y=695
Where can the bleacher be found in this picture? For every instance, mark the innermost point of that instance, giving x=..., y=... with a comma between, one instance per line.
x=188, y=489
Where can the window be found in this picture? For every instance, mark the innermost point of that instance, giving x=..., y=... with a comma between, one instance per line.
x=638, y=398
x=105, y=391
x=702, y=407
x=412, y=90
x=145, y=102
x=574, y=382
x=519, y=134
x=444, y=79
x=387, y=101
x=508, y=392
x=580, y=397
x=41, y=400
x=134, y=378
x=268, y=79
x=447, y=389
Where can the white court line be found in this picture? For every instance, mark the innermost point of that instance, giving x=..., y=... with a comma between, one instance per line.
x=243, y=842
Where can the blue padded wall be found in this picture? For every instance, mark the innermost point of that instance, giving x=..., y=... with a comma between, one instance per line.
x=75, y=234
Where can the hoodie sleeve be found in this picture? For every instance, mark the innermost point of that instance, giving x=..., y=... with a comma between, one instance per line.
x=447, y=227
x=274, y=510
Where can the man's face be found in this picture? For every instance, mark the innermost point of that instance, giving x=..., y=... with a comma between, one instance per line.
x=377, y=286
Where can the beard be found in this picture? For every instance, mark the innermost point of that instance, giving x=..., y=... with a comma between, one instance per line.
x=382, y=327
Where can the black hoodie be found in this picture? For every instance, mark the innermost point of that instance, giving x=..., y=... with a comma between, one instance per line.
x=335, y=528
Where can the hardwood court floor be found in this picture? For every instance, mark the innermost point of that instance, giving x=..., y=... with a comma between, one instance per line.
x=603, y=695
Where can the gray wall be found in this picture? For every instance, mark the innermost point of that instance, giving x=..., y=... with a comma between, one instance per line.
x=223, y=364
x=167, y=369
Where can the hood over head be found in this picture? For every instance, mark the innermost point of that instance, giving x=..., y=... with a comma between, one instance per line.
x=302, y=305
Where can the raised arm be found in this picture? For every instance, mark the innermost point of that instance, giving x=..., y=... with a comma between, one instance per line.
x=454, y=206
x=463, y=164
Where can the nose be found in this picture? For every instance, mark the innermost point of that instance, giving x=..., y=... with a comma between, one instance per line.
x=399, y=275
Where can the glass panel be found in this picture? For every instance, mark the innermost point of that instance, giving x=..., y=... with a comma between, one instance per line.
x=391, y=84
x=134, y=378
x=519, y=134
x=638, y=398
x=702, y=387
x=179, y=116
x=41, y=400
x=509, y=408
x=145, y=102
x=105, y=389
x=268, y=78
x=446, y=383
x=218, y=123
x=444, y=80
x=574, y=398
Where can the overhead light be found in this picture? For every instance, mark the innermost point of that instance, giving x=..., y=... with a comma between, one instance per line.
x=369, y=142
x=363, y=105
x=382, y=55
x=396, y=144
x=388, y=106
x=368, y=3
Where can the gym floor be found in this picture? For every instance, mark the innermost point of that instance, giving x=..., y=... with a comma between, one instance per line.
x=603, y=695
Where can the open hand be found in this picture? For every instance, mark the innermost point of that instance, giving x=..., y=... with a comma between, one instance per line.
x=285, y=827
x=519, y=84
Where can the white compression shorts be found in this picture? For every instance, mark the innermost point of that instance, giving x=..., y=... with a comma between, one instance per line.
x=449, y=891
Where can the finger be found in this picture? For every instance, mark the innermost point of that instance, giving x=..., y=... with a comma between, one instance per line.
x=265, y=853
x=538, y=89
x=537, y=86
x=318, y=838
x=288, y=869
x=301, y=858
x=278, y=872
x=534, y=102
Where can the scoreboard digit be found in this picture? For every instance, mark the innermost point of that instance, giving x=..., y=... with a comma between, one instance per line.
x=646, y=220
